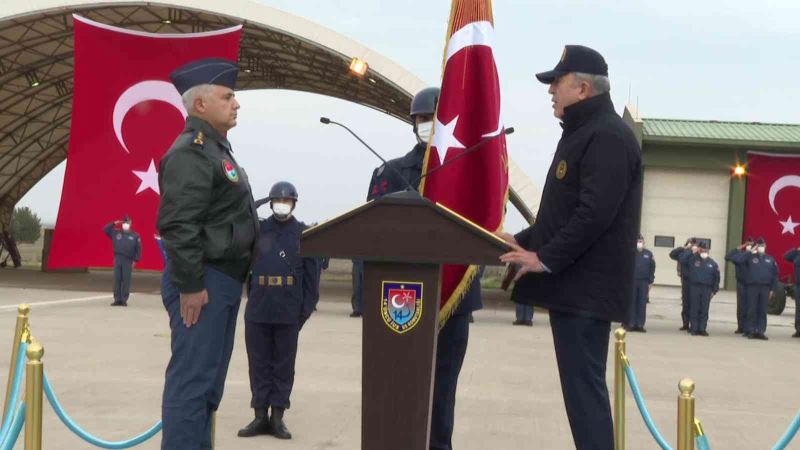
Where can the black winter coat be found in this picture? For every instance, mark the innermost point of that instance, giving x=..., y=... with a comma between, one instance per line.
x=588, y=218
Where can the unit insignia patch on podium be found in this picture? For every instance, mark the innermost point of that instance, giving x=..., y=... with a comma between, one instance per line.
x=401, y=305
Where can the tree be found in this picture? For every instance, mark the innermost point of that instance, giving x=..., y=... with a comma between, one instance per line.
x=25, y=225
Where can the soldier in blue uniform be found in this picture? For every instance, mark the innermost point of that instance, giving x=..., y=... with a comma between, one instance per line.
x=793, y=256
x=208, y=225
x=400, y=174
x=741, y=286
x=282, y=294
x=524, y=314
x=127, y=250
x=762, y=281
x=683, y=273
x=704, y=280
x=643, y=277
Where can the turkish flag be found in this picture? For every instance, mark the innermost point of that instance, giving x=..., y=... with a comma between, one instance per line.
x=773, y=204
x=125, y=115
x=475, y=185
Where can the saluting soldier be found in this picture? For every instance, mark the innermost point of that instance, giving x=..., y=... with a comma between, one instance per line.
x=762, y=281
x=208, y=225
x=643, y=278
x=683, y=273
x=793, y=256
x=741, y=284
x=704, y=279
x=282, y=293
x=127, y=250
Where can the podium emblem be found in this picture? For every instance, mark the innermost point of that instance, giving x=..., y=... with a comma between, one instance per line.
x=401, y=305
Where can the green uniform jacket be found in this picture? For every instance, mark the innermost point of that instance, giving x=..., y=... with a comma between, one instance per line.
x=207, y=214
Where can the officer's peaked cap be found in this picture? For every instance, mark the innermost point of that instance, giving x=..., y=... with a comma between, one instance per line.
x=217, y=71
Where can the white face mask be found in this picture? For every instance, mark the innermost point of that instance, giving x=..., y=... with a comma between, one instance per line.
x=126, y=226
x=762, y=249
x=282, y=210
x=749, y=248
x=639, y=245
x=424, y=131
x=704, y=255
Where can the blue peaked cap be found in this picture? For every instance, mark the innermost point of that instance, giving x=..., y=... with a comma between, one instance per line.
x=217, y=71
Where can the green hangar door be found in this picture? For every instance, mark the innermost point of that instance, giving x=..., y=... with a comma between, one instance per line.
x=679, y=204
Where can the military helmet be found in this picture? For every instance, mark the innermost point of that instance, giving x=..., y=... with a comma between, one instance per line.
x=283, y=189
x=425, y=101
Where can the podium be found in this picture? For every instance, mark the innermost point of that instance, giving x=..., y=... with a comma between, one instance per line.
x=403, y=240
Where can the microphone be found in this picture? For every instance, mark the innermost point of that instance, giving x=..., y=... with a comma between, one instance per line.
x=327, y=121
x=470, y=149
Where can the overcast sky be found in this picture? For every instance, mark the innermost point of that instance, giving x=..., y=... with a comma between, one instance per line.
x=721, y=60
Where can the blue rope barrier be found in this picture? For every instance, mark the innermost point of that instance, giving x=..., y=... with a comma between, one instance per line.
x=637, y=395
x=51, y=397
x=789, y=434
x=701, y=442
x=16, y=427
x=15, y=387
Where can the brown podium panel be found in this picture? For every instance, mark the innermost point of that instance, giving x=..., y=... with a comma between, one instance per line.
x=398, y=363
x=403, y=240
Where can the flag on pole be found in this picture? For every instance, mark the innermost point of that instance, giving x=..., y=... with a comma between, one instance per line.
x=475, y=186
x=125, y=114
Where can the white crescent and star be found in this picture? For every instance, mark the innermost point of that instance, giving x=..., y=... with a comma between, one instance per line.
x=394, y=302
x=779, y=185
x=141, y=92
x=473, y=34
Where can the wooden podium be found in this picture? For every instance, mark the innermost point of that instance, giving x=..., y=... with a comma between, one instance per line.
x=403, y=240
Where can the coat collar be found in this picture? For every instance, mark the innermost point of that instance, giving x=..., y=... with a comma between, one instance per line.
x=577, y=114
x=197, y=124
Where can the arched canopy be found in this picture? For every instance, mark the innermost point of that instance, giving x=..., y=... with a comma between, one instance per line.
x=278, y=51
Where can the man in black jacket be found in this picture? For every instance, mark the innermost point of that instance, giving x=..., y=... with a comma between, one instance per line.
x=577, y=259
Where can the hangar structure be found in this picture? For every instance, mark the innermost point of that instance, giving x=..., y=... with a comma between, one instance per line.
x=277, y=51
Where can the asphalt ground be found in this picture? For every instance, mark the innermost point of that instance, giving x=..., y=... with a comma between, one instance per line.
x=107, y=367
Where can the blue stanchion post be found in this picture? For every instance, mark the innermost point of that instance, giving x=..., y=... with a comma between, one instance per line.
x=97, y=442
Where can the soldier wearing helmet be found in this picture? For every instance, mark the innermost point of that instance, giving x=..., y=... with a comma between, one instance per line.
x=282, y=293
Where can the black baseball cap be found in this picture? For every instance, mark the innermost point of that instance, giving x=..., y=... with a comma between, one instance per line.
x=576, y=58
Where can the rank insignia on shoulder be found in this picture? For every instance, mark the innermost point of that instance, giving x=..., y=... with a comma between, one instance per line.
x=230, y=171
x=199, y=139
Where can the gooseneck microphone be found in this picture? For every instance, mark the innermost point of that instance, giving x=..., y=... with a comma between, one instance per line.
x=470, y=149
x=327, y=121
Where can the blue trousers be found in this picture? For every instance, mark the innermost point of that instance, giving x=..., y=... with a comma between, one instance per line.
x=741, y=306
x=450, y=351
x=271, y=354
x=700, y=303
x=524, y=312
x=797, y=307
x=122, y=278
x=196, y=373
x=581, y=346
x=641, y=289
x=358, y=278
x=757, y=300
x=685, y=299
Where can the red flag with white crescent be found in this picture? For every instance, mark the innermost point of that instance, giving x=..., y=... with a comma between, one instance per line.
x=476, y=185
x=125, y=115
x=772, y=207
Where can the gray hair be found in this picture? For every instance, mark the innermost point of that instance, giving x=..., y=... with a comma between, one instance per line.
x=188, y=97
x=599, y=83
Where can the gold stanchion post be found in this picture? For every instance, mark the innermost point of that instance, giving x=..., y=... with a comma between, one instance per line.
x=619, y=389
x=22, y=322
x=686, y=415
x=34, y=372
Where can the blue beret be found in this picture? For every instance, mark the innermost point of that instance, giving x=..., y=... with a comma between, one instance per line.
x=217, y=71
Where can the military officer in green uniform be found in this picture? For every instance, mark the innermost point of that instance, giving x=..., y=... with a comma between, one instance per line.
x=208, y=226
